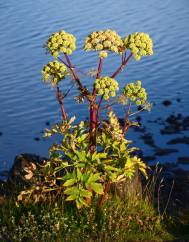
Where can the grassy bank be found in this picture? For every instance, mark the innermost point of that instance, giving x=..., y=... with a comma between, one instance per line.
x=117, y=221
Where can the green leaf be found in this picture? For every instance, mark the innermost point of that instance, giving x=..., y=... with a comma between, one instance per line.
x=97, y=187
x=79, y=174
x=61, y=167
x=111, y=168
x=115, y=145
x=104, y=137
x=82, y=202
x=94, y=156
x=122, y=147
x=71, y=197
x=93, y=178
x=72, y=191
x=85, y=177
x=112, y=176
x=47, y=133
x=68, y=176
x=81, y=155
x=82, y=138
x=102, y=155
x=69, y=182
x=85, y=193
x=80, y=165
x=69, y=154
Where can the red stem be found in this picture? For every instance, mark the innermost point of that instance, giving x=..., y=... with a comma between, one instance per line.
x=126, y=120
x=98, y=73
x=63, y=62
x=120, y=68
x=76, y=78
x=60, y=100
x=98, y=108
x=93, y=113
x=99, y=67
x=104, y=196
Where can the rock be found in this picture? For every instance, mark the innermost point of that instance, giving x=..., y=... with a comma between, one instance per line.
x=138, y=153
x=3, y=199
x=174, y=120
x=186, y=123
x=165, y=151
x=4, y=173
x=17, y=172
x=37, y=139
x=47, y=123
x=139, y=129
x=149, y=158
x=171, y=130
x=175, y=124
x=138, y=118
x=4, y=193
x=139, y=108
x=148, y=139
x=182, y=140
x=157, y=121
x=129, y=188
x=184, y=160
x=166, y=103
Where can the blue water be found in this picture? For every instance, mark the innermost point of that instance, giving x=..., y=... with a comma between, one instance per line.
x=26, y=103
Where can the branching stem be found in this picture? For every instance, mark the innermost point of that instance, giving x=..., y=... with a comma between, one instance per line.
x=84, y=91
x=94, y=113
x=126, y=120
x=60, y=100
x=68, y=90
x=123, y=64
x=142, y=109
x=104, y=195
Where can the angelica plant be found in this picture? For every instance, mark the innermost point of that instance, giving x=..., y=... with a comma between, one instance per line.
x=91, y=155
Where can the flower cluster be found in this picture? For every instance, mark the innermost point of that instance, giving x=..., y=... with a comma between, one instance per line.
x=140, y=44
x=106, y=86
x=54, y=71
x=104, y=40
x=135, y=93
x=61, y=42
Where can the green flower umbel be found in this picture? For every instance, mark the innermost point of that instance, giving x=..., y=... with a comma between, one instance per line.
x=103, y=41
x=140, y=45
x=135, y=93
x=54, y=72
x=106, y=86
x=61, y=42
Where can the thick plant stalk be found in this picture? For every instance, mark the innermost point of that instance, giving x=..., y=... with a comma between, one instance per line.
x=98, y=108
x=60, y=100
x=120, y=68
x=126, y=120
x=93, y=114
x=93, y=109
x=104, y=196
x=93, y=125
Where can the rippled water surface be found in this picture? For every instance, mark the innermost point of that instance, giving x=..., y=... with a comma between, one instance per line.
x=26, y=104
